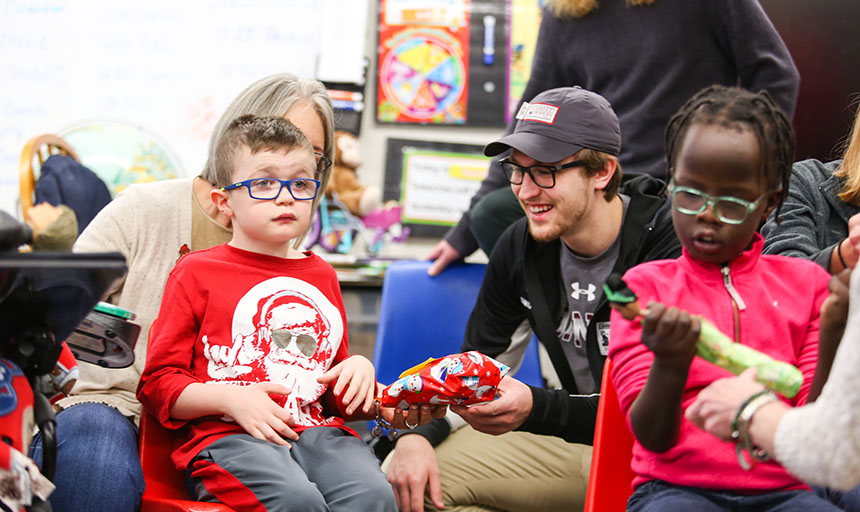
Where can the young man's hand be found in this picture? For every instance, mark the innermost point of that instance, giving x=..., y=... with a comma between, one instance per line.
x=355, y=383
x=412, y=471
x=671, y=334
x=502, y=415
x=258, y=413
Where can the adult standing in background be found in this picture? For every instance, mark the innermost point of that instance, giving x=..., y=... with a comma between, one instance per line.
x=821, y=199
x=647, y=57
x=152, y=224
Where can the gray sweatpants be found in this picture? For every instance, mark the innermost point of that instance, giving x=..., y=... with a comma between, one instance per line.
x=327, y=469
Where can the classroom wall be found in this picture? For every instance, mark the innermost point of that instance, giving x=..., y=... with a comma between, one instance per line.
x=36, y=89
x=168, y=67
x=374, y=135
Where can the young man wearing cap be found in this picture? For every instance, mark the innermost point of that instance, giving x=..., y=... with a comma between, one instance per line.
x=599, y=44
x=546, y=272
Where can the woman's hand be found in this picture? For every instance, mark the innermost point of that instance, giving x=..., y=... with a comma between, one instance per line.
x=413, y=416
x=717, y=405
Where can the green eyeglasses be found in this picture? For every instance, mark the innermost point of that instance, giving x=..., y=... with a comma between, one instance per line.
x=728, y=209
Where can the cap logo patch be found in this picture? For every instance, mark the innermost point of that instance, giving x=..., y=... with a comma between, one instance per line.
x=522, y=111
x=540, y=112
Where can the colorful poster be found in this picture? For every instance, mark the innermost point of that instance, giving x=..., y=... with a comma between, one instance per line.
x=525, y=21
x=423, y=61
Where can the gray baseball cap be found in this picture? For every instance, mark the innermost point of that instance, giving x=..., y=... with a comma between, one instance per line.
x=559, y=122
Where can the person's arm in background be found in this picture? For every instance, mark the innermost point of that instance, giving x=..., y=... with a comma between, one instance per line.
x=761, y=57
x=459, y=241
x=834, y=315
x=798, y=234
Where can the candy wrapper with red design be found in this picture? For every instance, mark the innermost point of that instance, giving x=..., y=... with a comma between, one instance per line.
x=463, y=379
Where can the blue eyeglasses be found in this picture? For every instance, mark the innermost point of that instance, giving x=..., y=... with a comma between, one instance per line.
x=266, y=189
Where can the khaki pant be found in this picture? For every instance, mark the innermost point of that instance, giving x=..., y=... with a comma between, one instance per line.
x=514, y=472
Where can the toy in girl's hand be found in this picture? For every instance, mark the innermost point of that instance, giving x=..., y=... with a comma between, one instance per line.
x=463, y=379
x=358, y=199
x=714, y=346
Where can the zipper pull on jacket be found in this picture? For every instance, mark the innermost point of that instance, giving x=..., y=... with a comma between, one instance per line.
x=733, y=292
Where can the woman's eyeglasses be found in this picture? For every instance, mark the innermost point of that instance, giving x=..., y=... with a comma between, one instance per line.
x=323, y=162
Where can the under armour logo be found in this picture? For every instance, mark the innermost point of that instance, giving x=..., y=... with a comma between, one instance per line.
x=577, y=291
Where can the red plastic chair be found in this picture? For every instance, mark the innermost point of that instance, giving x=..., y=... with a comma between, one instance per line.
x=610, y=480
x=165, y=486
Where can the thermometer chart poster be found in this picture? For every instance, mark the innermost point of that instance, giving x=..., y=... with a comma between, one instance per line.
x=423, y=61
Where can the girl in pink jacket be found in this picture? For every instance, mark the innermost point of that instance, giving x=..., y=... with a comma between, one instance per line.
x=730, y=153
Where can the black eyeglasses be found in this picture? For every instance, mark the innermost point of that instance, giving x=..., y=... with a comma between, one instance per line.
x=265, y=189
x=323, y=162
x=541, y=175
x=728, y=209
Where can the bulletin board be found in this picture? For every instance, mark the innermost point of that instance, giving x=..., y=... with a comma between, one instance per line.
x=442, y=62
x=433, y=181
x=170, y=67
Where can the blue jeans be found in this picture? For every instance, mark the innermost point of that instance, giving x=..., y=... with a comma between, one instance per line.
x=846, y=500
x=98, y=467
x=657, y=495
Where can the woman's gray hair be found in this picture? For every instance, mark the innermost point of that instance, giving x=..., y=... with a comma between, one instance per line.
x=274, y=96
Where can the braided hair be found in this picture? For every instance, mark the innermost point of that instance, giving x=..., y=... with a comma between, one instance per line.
x=733, y=107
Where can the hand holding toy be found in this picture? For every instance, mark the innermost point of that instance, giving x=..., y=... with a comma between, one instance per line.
x=714, y=346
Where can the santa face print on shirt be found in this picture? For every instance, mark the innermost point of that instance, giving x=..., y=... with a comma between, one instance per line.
x=285, y=331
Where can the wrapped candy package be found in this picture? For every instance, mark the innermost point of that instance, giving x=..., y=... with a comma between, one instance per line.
x=462, y=379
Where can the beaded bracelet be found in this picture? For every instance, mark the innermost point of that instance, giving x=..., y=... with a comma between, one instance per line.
x=740, y=429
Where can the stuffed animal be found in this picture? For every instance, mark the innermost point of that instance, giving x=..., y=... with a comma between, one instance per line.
x=359, y=200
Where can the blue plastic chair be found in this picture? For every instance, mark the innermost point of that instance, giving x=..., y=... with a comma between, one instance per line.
x=422, y=317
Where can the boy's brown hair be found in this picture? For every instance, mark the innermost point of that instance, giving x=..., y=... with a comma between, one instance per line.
x=257, y=133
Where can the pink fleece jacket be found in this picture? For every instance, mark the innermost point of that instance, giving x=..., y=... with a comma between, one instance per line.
x=771, y=302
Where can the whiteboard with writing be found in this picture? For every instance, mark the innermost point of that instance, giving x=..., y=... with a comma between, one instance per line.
x=171, y=67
